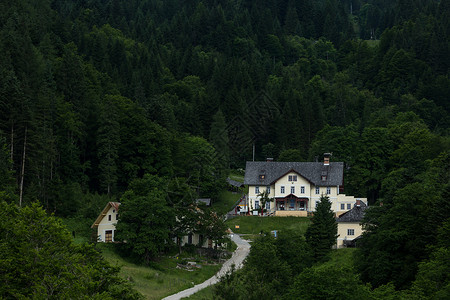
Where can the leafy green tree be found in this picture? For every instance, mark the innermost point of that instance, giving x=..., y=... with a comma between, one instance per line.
x=39, y=260
x=370, y=166
x=432, y=280
x=328, y=282
x=145, y=220
x=264, y=199
x=293, y=249
x=290, y=155
x=211, y=225
x=337, y=140
x=391, y=248
x=322, y=232
x=264, y=270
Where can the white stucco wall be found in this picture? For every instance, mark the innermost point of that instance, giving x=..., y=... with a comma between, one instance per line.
x=106, y=224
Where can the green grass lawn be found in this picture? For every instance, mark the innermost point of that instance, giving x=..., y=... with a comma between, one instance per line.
x=205, y=294
x=163, y=278
x=341, y=257
x=253, y=225
x=225, y=201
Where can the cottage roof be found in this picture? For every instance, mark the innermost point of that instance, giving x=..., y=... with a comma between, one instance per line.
x=356, y=214
x=266, y=173
x=115, y=205
x=234, y=182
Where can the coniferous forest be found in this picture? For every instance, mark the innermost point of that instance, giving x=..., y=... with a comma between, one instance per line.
x=98, y=97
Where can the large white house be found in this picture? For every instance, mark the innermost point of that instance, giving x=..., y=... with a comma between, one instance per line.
x=297, y=186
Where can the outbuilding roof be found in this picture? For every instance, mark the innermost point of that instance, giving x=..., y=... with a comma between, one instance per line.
x=354, y=215
x=207, y=201
x=115, y=205
x=266, y=173
x=234, y=182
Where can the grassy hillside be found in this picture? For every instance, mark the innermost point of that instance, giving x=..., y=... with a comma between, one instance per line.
x=163, y=278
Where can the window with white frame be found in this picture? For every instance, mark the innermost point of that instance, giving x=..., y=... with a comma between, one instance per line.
x=292, y=189
x=268, y=205
x=342, y=206
x=109, y=217
x=302, y=189
x=317, y=203
x=317, y=190
x=256, y=189
x=292, y=178
x=282, y=189
x=256, y=204
x=349, y=206
x=350, y=231
x=268, y=190
x=328, y=190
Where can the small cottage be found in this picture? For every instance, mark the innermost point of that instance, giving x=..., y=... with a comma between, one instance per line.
x=349, y=225
x=106, y=222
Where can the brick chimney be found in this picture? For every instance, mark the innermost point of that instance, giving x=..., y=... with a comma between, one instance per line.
x=269, y=159
x=358, y=202
x=326, y=159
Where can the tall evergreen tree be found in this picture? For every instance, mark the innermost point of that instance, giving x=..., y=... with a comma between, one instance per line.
x=322, y=233
x=218, y=136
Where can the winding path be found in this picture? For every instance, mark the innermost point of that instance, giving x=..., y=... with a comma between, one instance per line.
x=237, y=259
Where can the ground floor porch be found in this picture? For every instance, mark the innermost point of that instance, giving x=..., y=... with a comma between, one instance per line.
x=291, y=203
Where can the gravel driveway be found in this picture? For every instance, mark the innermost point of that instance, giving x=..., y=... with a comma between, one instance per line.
x=237, y=259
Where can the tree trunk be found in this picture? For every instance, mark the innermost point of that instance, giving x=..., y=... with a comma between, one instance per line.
x=23, y=168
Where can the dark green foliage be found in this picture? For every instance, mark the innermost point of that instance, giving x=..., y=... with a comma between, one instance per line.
x=145, y=220
x=290, y=155
x=322, y=232
x=39, y=260
x=95, y=96
x=328, y=282
x=264, y=270
x=392, y=247
x=7, y=187
x=293, y=249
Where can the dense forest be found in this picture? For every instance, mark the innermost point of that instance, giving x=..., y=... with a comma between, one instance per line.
x=98, y=94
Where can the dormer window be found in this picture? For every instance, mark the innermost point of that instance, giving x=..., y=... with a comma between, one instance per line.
x=324, y=176
x=262, y=177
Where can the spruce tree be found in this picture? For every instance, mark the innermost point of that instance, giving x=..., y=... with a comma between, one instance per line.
x=322, y=233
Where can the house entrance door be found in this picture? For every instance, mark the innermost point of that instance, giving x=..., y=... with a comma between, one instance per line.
x=108, y=236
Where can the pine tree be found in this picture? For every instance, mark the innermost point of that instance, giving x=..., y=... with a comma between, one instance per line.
x=218, y=136
x=322, y=233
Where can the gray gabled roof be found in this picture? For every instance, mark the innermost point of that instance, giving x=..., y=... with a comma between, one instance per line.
x=356, y=214
x=311, y=171
x=234, y=182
